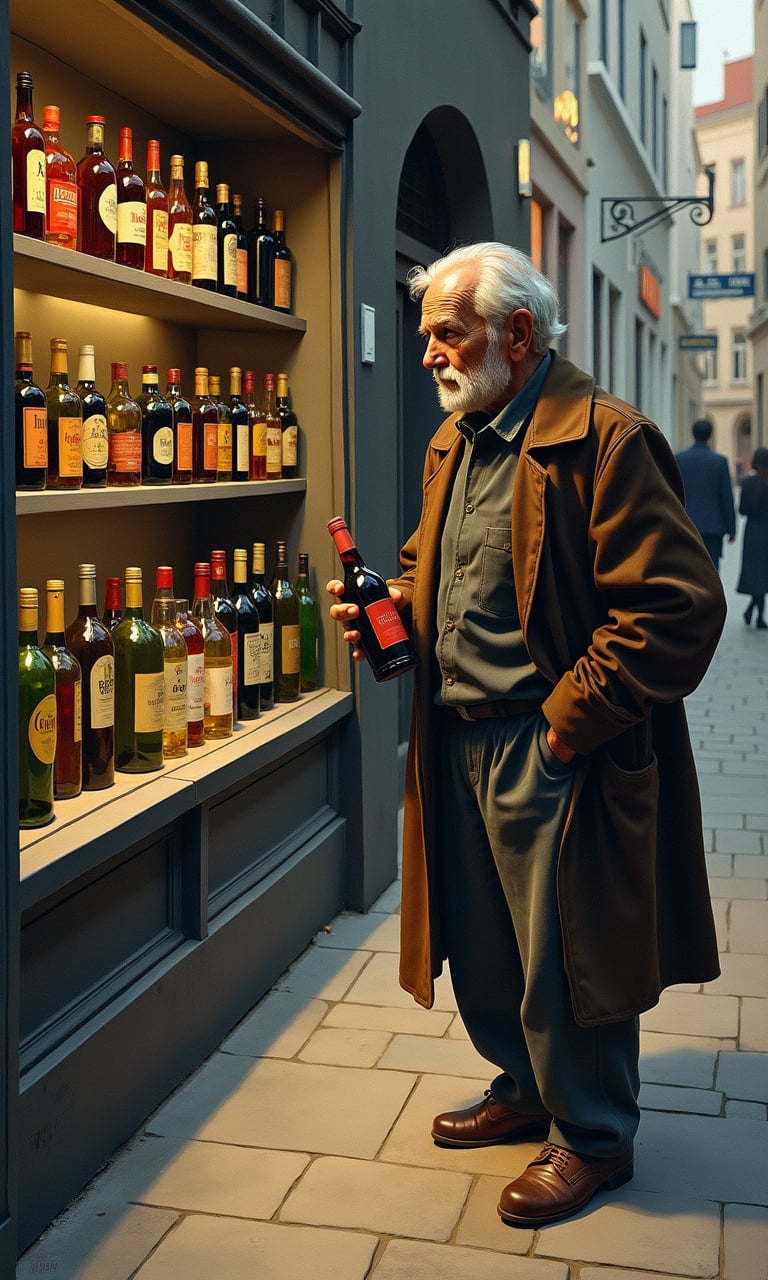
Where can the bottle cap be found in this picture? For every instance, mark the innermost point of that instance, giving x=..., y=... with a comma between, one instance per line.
x=119, y=369
x=222, y=192
x=132, y=574
x=338, y=522
x=28, y=595
x=86, y=570
x=164, y=576
x=51, y=118
x=174, y=376
x=95, y=120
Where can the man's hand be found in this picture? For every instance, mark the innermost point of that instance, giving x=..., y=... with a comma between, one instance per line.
x=557, y=747
x=346, y=614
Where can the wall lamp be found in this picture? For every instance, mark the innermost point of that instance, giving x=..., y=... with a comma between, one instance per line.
x=524, y=183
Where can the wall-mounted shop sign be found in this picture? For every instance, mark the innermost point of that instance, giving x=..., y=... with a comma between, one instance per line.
x=649, y=290
x=697, y=341
x=741, y=285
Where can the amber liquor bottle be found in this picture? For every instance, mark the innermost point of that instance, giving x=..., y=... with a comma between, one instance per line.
x=282, y=267
x=217, y=649
x=65, y=424
x=156, y=255
x=31, y=420
x=97, y=195
x=95, y=432
x=124, y=428
x=272, y=431
x=164, y=618
x=242, y=248
x=224, y=451
x=226, y=613
x=182, y=428
x=192, y=635
x=60, y=185
x=131, y=207
x=205, y=233
x=90, y=640
x=257, y=438
x=205, y=431
x=27, y=164
x=179, y=225
x=68, y=762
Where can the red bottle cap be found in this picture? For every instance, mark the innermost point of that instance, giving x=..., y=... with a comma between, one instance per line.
x=164, y=576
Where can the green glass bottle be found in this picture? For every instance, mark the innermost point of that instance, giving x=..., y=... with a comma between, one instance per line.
x=308, y=625
x=287, y=648
x=37, y=719
x=139, y=685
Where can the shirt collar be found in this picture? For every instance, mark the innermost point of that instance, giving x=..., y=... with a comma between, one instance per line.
x=509, y=422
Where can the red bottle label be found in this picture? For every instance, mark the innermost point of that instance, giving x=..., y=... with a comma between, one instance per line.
x=386, y=623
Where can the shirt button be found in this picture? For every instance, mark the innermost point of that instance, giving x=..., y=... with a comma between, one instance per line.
x=469, y=508
x=449, y=680
x=459, y=573
x=450, y=624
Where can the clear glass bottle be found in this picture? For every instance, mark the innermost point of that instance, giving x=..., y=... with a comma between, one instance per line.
x=182, y=428
x=156, y=429
x=37, y=719
x=179, y=225
x=68, y=762
x=27, y=164
x=224, y=440
x=218, y=658
x=308, y=626
x=131, y=248
x=124, y=431
x=97, y=195
x=139, y=685
x=248, y=641
x=205, y=232
x=60, y=185
x=262, y=599
x=176, y=664
x=287, y=640
x=156, y=258
x=95, y=432
x=226, y=613
x=31, y=419
x=226, y=243
x=65, y=424
x=90, y=640
x=205, y=431
x=192, y=635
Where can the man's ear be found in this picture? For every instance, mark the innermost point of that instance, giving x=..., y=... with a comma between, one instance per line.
x=519, y=333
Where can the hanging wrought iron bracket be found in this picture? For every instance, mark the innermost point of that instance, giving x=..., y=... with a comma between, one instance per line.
x=617, y=213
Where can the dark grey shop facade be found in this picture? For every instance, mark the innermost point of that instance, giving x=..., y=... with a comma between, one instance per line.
x=143, y=926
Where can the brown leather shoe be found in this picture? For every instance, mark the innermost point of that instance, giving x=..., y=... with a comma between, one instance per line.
x=560, y=1182
x=484, y=1124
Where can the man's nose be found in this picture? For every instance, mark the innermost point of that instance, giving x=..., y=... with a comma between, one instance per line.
x=434, y=357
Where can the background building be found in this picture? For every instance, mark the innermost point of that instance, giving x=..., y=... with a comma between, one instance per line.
x=758, y=320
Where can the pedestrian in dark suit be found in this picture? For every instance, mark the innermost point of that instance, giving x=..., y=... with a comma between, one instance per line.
x=753, y=579
x=708, y=490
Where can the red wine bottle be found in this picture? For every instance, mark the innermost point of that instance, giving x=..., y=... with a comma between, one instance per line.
x=383, y=637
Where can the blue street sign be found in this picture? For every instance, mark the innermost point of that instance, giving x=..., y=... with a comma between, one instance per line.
x=741, y=285
x=697, y=341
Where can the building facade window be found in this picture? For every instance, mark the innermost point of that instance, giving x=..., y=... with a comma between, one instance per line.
x=643, y=100
x=614, y=325
x=738, y=253
x=565, y=107
x=597, y=325
x=665, y=144
x=622, y=41
x=710, y=257
x=739, y=349
x=655, y=118
x=604, y=32
x=710, y=366
x=541, y=51
x=738, y=182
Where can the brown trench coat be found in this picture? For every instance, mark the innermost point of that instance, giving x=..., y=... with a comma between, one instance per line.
x=621, y=610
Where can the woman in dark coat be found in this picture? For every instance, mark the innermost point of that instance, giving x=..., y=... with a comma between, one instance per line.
x=753, y=579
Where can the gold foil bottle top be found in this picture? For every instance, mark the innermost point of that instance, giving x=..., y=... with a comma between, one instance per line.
x=201, y=173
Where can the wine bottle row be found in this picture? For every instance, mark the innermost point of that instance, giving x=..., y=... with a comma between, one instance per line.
x=114, y=213
x=120, y=691
x=78, y=437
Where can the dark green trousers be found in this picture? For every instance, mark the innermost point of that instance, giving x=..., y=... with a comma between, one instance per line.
x=503, y=803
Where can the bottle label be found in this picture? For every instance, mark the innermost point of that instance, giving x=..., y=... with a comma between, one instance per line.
x=229, y=260
x=62, y=209
x=251, y=658
x=159, y=240
x=70, y=446
x=125, y=451
x=204, y=253
x=218, y=691
x=162, y=446
x=242, y=271
x=210, y=446
x=290, y=650
x=176, y=695
x=35, y=182
x=266, y=635
x=290, y=446
x=95, y=441
x=242, y=447
x=386, y=623
x=102, y=685
x=108, y=207
x=35, y=428
x=282, y=283
x=259, y=440
x=132, y=222
x=195, y=687
x=148, y=701
x=41, y=731
x=274, y=450
x=77, y=712
x=224, y=447
x=180, y=248
x=183, y=446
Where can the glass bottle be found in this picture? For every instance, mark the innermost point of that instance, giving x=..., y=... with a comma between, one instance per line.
x=226, y=243
x=248, y=641
x=205, y=431
x=90, y=640
x=60, y=185
x=383, y=637
x=156, y=429
x=240, y=427
x=131, y=207
x=224, y=450
x=37, y=719
x=282, y=267
x=257, y=430
x=262, y=599
x=308, y=626
x=242, y=248
x=113, y=603
x=226, y=613
x=65, y=424
x=156, y=258
x=176, y=663
x=139, y=685
x=179, y=225
x=68, y=762
x=95, y=433
x=261, y=250
x=287, y=643
x=217, y=647
x=205, y=231
x=289, y=444
x=30, y=408
x=272, y=431
x=192, y=635
x=27, y=164
x=124, y=431
x=182, y=428
x=97, y=195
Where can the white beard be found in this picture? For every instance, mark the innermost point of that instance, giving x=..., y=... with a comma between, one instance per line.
x=467, y=392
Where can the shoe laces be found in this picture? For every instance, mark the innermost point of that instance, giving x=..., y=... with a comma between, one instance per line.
x=558, y=1156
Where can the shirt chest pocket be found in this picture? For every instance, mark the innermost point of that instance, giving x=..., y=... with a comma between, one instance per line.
x=496, y=593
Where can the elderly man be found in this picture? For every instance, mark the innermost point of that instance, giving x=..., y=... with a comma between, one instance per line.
x=563, y=606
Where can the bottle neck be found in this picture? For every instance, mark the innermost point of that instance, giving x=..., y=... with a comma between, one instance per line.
x=54, y=623
x=133, y=596
x=95, y=139
x=87, y=595
x=24, y=102
x=87, y=367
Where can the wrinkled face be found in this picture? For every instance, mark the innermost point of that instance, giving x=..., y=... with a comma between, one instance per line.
x=471, y=369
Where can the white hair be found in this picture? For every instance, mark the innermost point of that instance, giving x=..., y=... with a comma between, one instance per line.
x=506, y=280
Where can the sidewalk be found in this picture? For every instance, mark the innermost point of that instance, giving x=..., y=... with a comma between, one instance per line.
x=301, y=1150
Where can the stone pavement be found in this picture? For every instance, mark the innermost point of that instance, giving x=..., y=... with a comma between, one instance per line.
x=301, y=1149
